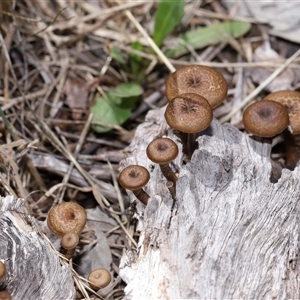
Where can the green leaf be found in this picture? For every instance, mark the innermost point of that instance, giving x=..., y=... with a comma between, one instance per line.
x=167, y=17
x=209, y=35
x=128, y=89
x=135, y=60
x=108, y=114
x=116, y=109
x=116, y=54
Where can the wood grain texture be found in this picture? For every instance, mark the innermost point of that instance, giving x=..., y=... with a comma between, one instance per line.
x=232, y=233
x=33, y=270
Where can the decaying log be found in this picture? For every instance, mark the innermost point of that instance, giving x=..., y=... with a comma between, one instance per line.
x=33, y=269
x=233, y=233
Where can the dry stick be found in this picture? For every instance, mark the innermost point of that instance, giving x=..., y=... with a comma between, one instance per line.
x=31, y=167
x=260, y=87
x=160, y=54
x=76, y=152
x=212, y=63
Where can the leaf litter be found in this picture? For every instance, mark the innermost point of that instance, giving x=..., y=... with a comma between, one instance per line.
x=60, y=59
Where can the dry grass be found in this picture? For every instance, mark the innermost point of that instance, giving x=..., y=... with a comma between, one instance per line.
x=52, y=50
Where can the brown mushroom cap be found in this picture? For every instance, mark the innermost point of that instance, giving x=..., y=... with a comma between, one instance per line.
x=201, y=80
x=162, y=150
x=4, y=295
x=66, y=217
x=69, y=240
x=2, y=270
x=134, y=177
x=99, y=278
x=266, y=118
x=189, y=113
x=291, y=101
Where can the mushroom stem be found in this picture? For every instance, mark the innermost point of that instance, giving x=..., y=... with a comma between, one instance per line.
x=292, y=150
x=168, y=173
x=68, y=253
x=191, y=144
x=141, y=195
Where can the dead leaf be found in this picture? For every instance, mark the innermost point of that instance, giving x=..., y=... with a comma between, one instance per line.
x=284, y=81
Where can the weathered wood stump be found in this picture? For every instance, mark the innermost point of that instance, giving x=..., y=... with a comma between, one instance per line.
x=34, y=271
x=231, y=234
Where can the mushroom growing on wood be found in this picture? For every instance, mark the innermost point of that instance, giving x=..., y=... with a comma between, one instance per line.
x=134, y=178
x=291, y=101
x=266, y=118
x=201, y=80
x=189, y=113
x=66, y=217
x=163, y=151
x=99, y=278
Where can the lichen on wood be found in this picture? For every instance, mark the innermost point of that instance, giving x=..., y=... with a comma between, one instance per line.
x=233, y=232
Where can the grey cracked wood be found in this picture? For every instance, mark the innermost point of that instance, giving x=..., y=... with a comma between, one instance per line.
x=33, y=270
x=232, y=233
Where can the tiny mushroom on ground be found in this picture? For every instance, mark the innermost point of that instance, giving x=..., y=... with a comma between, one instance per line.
x=99, y=278
x=66, y=217
x=5, y=295
x=69, y=241
x=189, y=113
x=266, y=118
x=197, y=79
x=134, y=178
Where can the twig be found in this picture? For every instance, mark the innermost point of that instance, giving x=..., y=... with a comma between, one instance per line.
x=138, y=26
x=260, y=87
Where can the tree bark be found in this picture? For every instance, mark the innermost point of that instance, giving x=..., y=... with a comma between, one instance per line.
x=232, y=233
x=34, y=271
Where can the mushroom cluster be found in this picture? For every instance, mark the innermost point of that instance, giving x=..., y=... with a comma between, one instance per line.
x=192, y=93
x=278, y=112
x=67, y=220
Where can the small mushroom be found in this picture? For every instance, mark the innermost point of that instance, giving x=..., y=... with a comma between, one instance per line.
x=4, y=295
x=189, y=113
x=133, y=178
x=291, y=101
x=197, y=79
x=265, y=118
x=2, y=270
x=99, y=278
x=69, y=241
x=162, y=151
x=172, y=189
x=66, y=217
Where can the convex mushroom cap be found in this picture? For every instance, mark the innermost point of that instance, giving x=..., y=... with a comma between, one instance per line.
x=134, y=177
x=291, y=101
x=201, y=80
x=189, y=113
x=99, y=278
x=69, y=240
x=265, y=118
x=5, y=295
x=162, y=150
x=66, y=217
